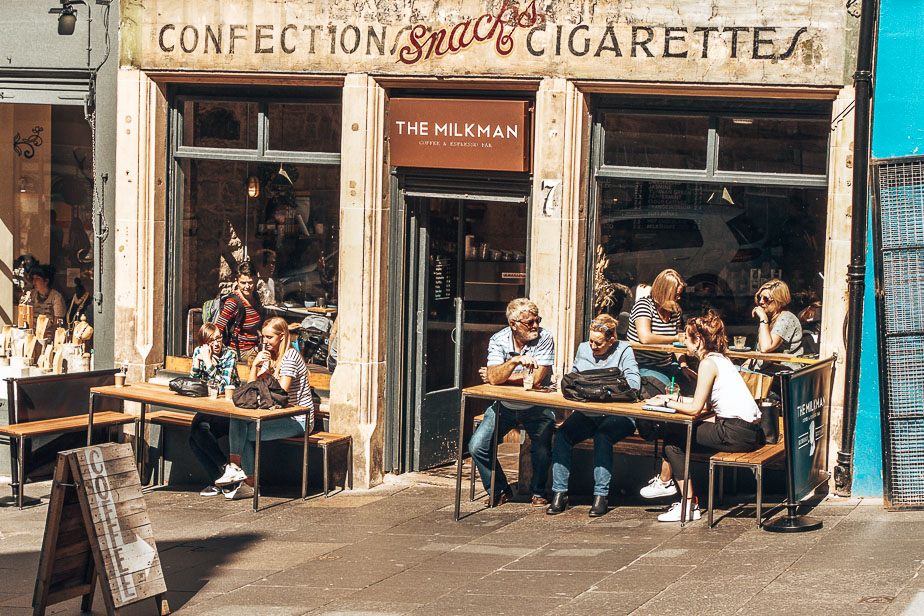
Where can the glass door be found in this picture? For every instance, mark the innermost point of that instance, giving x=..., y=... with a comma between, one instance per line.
x=435, y=310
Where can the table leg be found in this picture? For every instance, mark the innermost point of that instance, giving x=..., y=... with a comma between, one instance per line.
x=686, y=476
x=139, y=440
x=493, y=455
x=458, y=508
x=22, y=471
x=256, y=468
x=90, y=419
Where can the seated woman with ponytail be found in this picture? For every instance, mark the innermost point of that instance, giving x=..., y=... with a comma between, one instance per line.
x=280, y=360
x=719, y=388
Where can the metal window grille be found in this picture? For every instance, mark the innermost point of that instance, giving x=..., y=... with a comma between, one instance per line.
x=899, y=239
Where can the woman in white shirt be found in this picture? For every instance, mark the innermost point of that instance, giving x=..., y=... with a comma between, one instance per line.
x=719, y=388
x=278, y=359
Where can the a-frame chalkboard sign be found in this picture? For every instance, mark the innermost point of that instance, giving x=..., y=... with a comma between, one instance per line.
x=98, y=529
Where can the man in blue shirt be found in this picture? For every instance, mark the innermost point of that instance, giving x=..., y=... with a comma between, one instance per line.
x=512, y=351
x=602, y=350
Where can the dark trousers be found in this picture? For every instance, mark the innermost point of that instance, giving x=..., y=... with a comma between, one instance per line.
x=733, y=435
x=203, y=440
x=539, y=424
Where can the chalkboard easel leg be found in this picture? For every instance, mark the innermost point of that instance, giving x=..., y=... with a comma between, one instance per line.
x=86, y=602
x=163, y=607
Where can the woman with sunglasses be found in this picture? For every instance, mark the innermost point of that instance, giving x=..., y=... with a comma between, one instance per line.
x=778, y=330
x=602, y=350
x=719, y=388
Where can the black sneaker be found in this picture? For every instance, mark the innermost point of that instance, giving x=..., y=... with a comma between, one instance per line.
x=210, y=490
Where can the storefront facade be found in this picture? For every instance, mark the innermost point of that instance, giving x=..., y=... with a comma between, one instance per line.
x=56, y=191
x=720, y=130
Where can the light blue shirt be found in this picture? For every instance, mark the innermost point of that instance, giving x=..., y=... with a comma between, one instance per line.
x=501, y=349
x=620, y=356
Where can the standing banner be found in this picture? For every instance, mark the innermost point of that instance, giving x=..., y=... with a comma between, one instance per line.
x=806, y=406
x=98, y=529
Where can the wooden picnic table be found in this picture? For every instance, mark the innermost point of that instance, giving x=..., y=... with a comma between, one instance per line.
x=554, y=399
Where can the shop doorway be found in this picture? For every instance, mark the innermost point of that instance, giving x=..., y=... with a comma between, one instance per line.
x=464, y=258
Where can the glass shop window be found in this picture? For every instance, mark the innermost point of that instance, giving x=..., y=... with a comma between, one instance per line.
x=46, y=223
x=728, y=200
x=276, y=205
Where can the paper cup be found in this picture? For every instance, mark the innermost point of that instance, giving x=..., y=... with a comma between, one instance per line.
x=229, y=392
x=120, y=380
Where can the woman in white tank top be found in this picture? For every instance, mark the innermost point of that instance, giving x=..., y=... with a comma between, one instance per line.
x=719, y=388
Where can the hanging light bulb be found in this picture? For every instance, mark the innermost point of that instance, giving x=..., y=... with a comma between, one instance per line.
x=253, y=186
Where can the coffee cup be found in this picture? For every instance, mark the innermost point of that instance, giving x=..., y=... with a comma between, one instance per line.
x=229, y=392
x=120, y=379
x=528, y=378
x=740, y=341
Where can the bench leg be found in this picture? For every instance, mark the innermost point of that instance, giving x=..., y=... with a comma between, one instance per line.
x=326, y=477
x=711, y=488
x=350, y=464
x=721, y=484
x=161, y=463
x=758, y=474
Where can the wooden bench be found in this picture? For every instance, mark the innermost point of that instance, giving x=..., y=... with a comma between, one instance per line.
x=51, y=405
x=753, y=460
x=317, y=438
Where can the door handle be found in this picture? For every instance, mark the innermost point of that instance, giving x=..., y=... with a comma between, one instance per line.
x=452, y=335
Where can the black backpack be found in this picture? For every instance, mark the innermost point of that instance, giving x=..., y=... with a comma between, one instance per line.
x=598, y=385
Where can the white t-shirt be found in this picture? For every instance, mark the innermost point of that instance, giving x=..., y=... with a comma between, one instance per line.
x=730, y=396
x=299, y=390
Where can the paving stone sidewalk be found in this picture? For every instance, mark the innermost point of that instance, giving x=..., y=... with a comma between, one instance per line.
x=396, y=550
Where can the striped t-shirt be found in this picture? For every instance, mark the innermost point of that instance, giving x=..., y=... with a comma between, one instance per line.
x=248, y=335
x=645, y=309
x=299, y=390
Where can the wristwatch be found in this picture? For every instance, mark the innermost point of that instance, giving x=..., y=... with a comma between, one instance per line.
x=765, y=322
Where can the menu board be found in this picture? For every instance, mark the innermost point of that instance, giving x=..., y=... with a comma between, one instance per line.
x=442, y=278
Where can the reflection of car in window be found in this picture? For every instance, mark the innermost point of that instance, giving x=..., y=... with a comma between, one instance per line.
x=708, y=247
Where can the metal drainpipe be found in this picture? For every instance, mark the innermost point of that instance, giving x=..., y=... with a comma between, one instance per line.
x=856, y=271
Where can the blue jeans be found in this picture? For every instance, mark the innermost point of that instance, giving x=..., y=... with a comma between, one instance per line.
x=539, y=423
x=606, y=430
x=243, y=437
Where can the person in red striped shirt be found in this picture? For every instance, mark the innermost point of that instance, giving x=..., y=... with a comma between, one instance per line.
x=242, y=314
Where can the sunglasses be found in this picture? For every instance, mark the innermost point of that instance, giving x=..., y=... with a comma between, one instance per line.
x=764, y=299
x=530, y=323
x=599, y=327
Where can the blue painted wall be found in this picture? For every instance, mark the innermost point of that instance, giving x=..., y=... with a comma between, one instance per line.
x=867, y=471
x=898, y=110
x=898, y=130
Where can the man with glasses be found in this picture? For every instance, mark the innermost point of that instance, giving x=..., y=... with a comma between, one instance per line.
x=512, y=352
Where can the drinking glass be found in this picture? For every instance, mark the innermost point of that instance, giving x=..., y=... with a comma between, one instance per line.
x=528, y=378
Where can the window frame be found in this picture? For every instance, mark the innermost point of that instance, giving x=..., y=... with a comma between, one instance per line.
x=175, y=325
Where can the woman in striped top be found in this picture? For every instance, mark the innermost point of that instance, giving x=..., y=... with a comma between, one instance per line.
x=242, y=313
x=280, y=360
x=656, y=320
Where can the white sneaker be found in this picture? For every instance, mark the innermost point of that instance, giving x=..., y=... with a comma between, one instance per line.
x=673, y=514
x=239, y=492
x=658, y=489
x=210, y=490
x=233, y=474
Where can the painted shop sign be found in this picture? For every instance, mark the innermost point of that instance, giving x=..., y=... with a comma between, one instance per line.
x=725, y=41
x=439, y=133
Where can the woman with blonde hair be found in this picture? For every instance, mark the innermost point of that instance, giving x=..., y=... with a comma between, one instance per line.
x=719, y=388
x=778, y=330
x=656, y=319
x=280, y=360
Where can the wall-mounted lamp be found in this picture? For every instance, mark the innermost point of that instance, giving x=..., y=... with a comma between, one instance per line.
x=67, y=16
x=253, y=187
